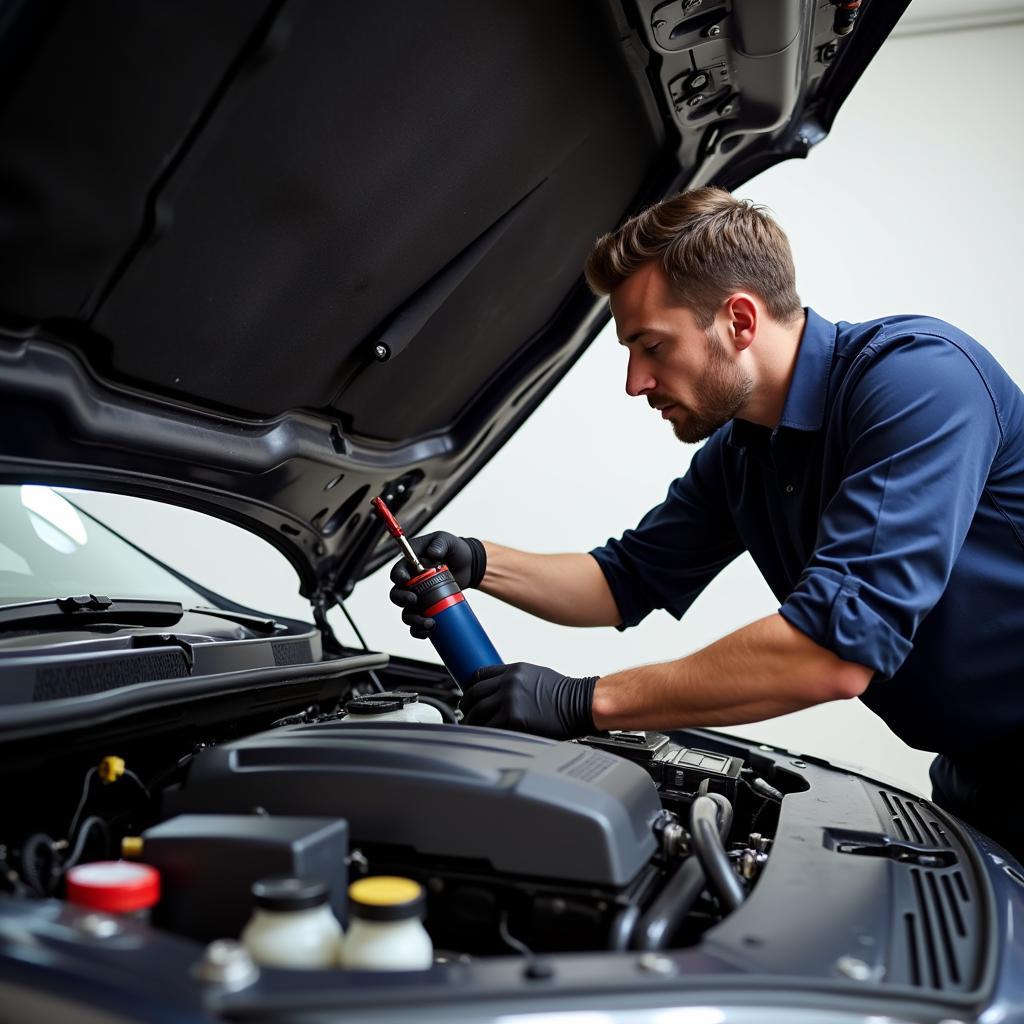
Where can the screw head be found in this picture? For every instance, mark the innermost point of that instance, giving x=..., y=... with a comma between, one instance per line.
x=715, y=30
x=727, y=109
x=798, y=764
x=98, y=926
x=382, y=352
x=652, y=963
x=696, y=101
x=227, y=963
x=854, y=968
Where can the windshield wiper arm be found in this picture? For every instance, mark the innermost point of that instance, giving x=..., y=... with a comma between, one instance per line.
x=87, y=609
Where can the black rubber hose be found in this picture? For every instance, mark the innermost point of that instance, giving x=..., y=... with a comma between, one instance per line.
x=666, y=913
x=83, y=837
x=724, y=814
x=621, y=931
x=766, y=790
x=30, y=851
x=710, y=818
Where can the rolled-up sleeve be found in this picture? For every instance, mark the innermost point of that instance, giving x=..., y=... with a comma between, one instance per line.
x=677, y=548
x=923, y=431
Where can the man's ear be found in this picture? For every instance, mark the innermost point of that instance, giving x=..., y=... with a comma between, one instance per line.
x=742, y=317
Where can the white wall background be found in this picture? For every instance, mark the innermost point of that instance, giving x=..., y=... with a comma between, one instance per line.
x=913, y=205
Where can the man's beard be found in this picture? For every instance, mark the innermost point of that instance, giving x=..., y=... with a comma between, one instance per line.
x=720, y=392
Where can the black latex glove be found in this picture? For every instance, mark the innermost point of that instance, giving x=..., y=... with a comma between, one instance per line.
x=466, y=558
x=530, y=698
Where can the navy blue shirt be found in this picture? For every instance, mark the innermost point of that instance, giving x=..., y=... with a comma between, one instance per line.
x=886, y=513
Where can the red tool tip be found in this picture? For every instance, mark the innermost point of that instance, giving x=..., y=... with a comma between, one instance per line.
x=389, y=520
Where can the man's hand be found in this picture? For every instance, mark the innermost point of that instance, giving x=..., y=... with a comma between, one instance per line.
x=529, y=698
x=464, y=556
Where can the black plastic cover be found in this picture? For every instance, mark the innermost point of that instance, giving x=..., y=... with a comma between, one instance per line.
x=209, y=863
x=528, y=806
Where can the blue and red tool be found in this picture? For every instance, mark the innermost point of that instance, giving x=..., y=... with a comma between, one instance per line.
x=457, y=635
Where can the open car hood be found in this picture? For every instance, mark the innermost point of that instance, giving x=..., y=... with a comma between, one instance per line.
x=268, y=261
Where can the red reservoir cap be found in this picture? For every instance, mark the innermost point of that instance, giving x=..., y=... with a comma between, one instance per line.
x=115, y=886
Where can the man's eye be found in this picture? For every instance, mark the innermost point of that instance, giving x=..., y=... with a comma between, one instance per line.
x=651, y=349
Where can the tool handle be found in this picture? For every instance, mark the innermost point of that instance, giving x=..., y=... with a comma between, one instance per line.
x=390, y=522
x=461, y=642
x=392, y=526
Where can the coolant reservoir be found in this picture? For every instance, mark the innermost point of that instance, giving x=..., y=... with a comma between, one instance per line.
x=385, y=930
x=292, y=925
x=392, y=706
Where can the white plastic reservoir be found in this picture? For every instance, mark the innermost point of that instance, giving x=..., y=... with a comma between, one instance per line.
x=390, y=706
x=385, y=929
x=292, y=925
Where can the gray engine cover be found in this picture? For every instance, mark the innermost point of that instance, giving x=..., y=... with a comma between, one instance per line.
x=527, y=805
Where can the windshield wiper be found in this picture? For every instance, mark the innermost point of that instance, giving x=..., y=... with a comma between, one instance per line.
x=87, y=609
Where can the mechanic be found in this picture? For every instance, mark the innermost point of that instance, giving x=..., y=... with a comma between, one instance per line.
x=875, y=473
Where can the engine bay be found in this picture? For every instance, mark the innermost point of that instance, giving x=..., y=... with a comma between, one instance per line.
x=609, y=864
x=522, y=845
x=518, y=841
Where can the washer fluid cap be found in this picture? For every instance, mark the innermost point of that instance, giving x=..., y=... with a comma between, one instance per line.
x=372, y=704
x=289, y=893
x=114, y=886
x=381, y=703
x=387, y=898
x=405, y=696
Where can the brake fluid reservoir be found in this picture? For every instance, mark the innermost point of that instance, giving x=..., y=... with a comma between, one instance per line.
x=292, y=925
x=114, y=887
x=386, y=932
x=392, y=706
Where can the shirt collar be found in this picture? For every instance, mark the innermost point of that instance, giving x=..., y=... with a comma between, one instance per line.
x=804, y=408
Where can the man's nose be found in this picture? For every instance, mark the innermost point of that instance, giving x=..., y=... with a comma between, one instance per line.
x=638, y=378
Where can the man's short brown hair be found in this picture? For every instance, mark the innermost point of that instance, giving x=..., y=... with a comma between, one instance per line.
x=710, y=245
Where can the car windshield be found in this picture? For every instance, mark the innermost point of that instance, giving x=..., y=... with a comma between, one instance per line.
x=49, y=547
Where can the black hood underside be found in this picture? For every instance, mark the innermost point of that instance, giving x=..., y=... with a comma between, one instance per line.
x=268, y=261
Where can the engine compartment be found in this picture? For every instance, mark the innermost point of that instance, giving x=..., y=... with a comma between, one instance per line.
x=607, y=865
x=518, y=840
x=522, y=844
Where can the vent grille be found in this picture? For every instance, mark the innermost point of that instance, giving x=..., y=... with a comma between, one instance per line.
x=291, y=652
x=99, y=675
x=914, y=821
x=935, y=930
x=939, y=913
x=589, y=765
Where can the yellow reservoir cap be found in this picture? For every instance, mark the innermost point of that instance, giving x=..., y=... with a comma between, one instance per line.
x=385, y=891
x=111, y=769
x=131, y=846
